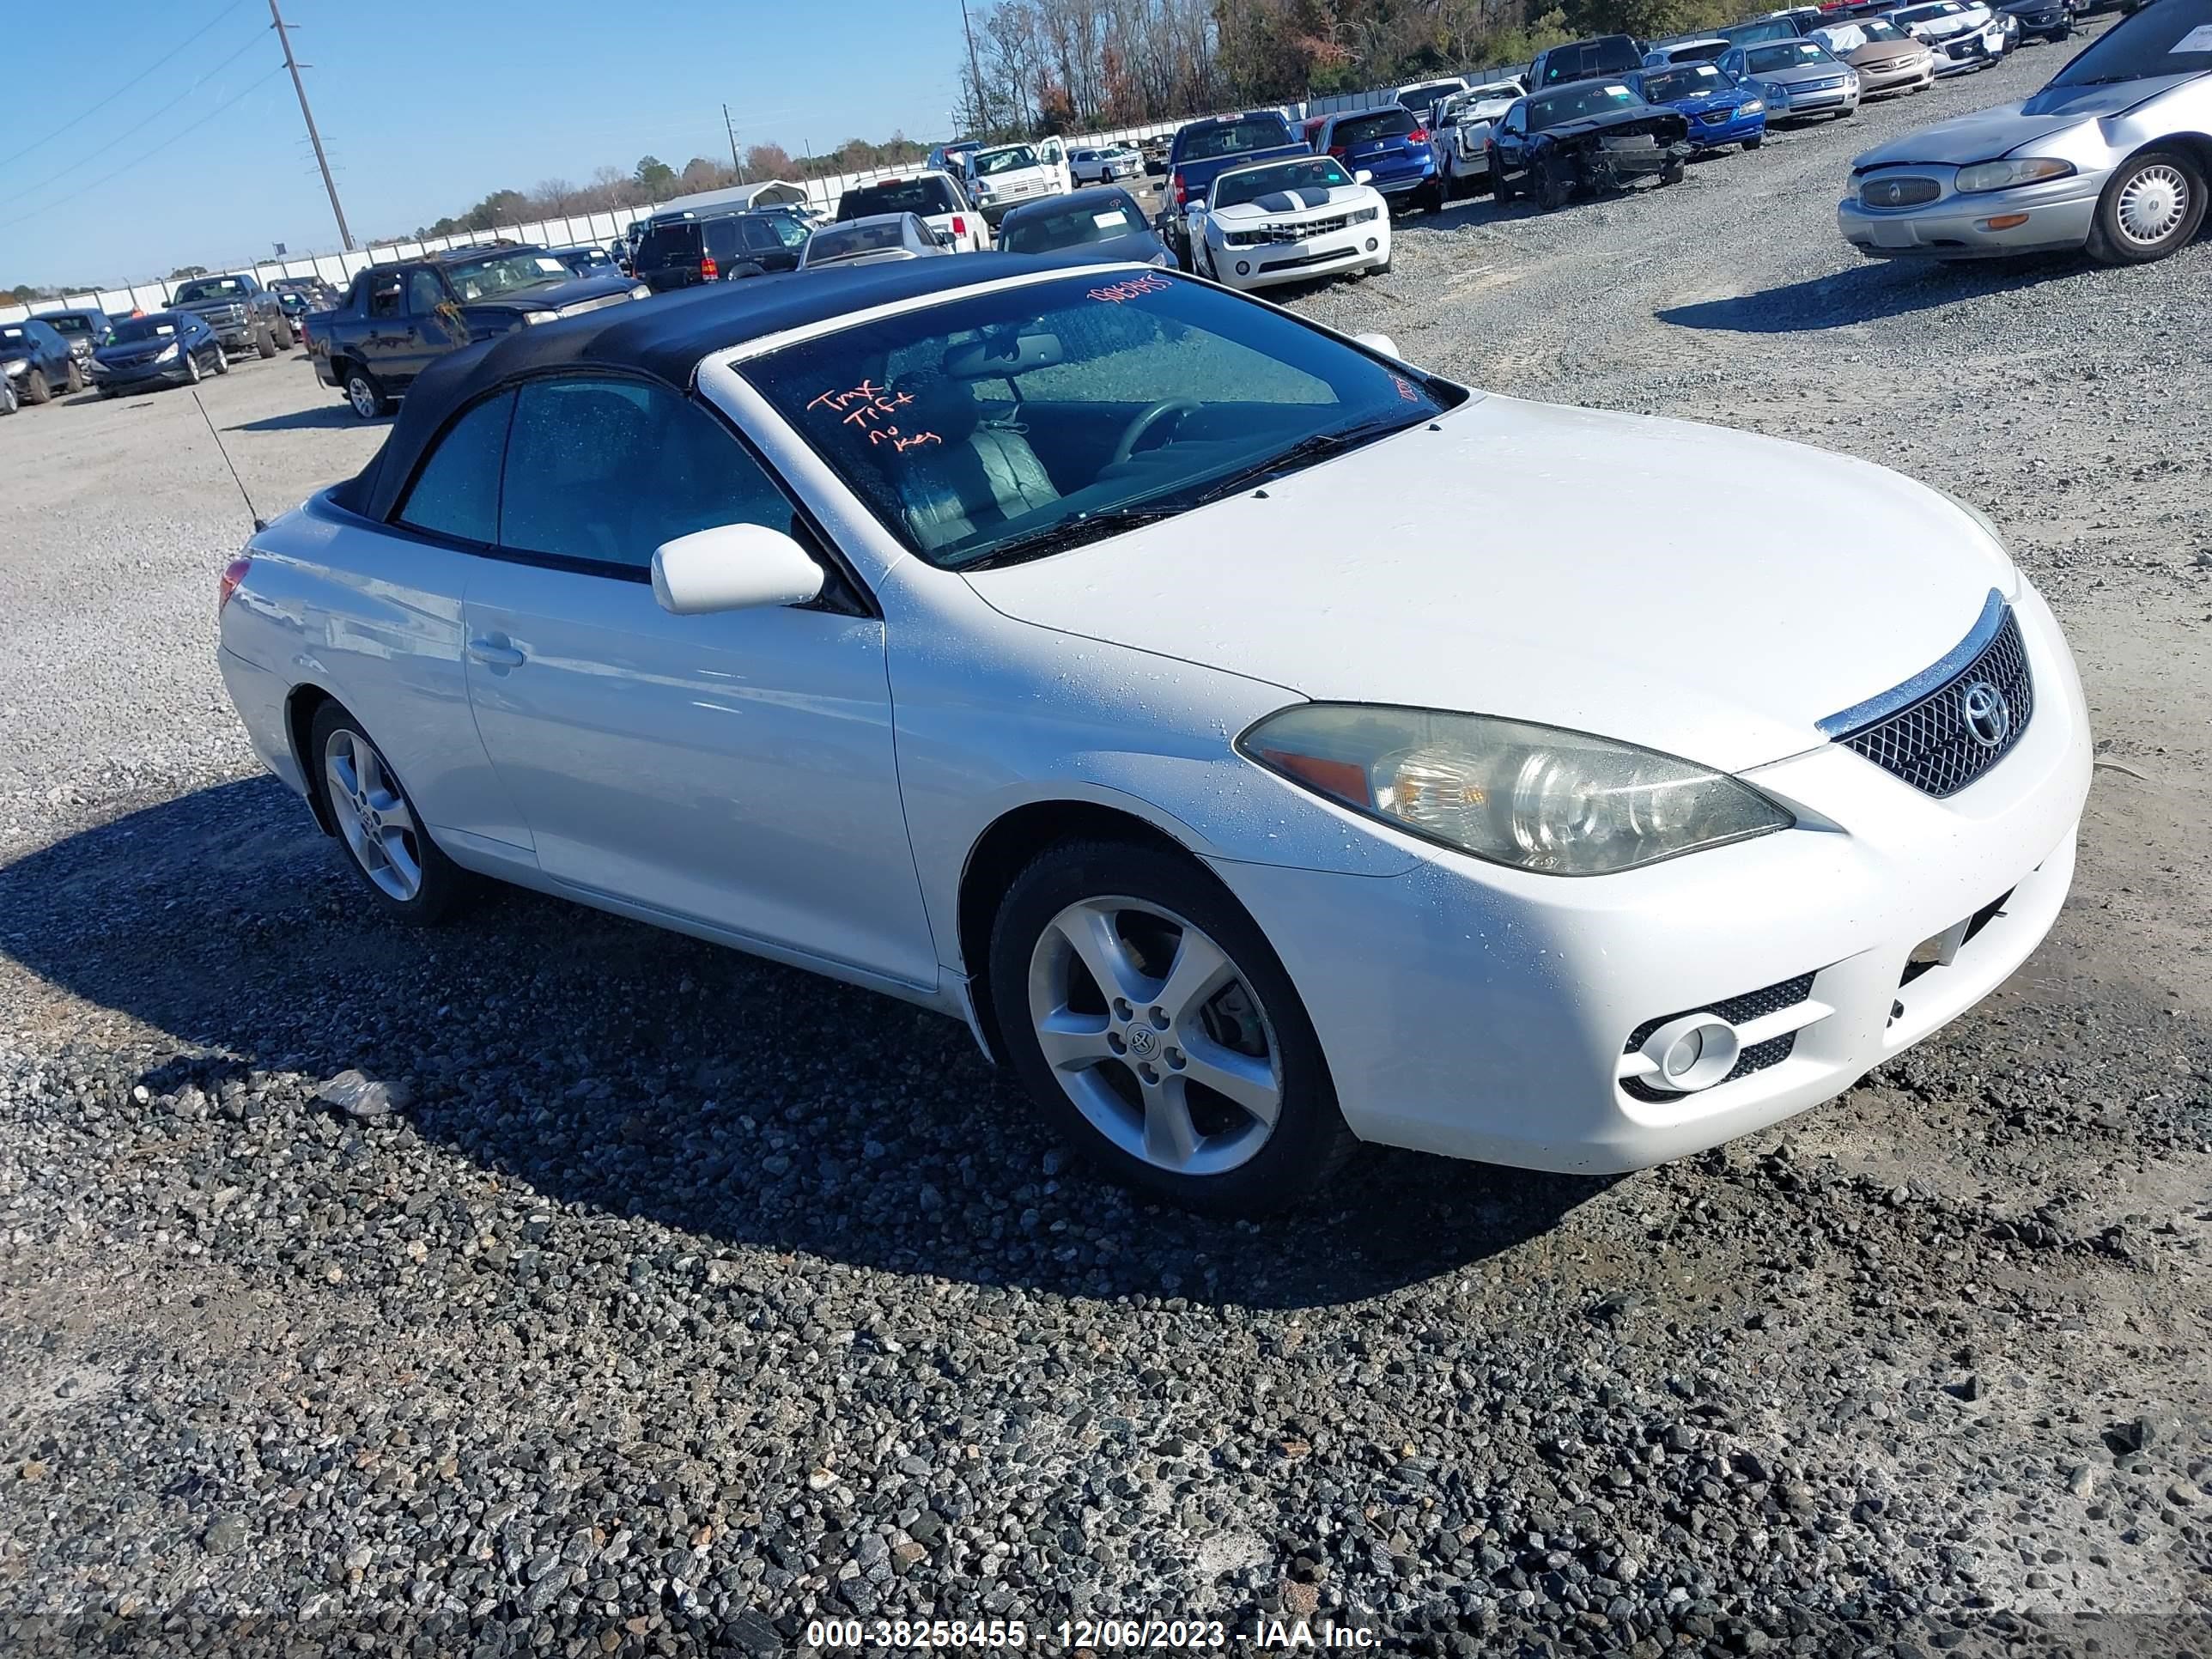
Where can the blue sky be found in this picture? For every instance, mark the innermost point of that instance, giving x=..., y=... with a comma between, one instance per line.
x=425, y=108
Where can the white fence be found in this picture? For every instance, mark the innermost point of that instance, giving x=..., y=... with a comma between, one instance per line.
x=578, y=229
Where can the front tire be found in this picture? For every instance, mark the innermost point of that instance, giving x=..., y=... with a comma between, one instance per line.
x=284, y=333
x=406, y=875
x=74, y=378
x=191, y=368
x=1753, y=144
x=263, y=343
x=2153, y=206
x=1153, y=1024
x=221, y=362
x=37, y=389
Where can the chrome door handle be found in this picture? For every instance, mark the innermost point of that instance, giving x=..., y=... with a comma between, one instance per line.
x=495, y=654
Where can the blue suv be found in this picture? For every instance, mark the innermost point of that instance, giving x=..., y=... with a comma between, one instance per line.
x=1391, y=143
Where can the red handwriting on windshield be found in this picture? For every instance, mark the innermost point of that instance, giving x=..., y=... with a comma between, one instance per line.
x=868, y=408
x=1121, y=293
x=1405, y=389
x=901, y=441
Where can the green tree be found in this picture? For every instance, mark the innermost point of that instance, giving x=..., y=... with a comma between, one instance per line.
x=655, y=174
x=185, y=273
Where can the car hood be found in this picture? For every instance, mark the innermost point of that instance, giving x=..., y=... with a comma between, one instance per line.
x=1798, y=73
x=1887, y=51
x=1987, y=134
x=1553, y=564
x=1719, y=98
x=1942, y=29
x=1279, y=203
x=555, y=295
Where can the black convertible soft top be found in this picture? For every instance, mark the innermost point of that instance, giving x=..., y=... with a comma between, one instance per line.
x=665, y=338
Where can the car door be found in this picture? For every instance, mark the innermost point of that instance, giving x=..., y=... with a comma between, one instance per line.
x=387, y=341
x=435, y=323
x=734, y=769
x=1508, y=140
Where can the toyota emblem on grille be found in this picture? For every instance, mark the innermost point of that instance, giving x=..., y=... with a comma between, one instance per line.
x=1989, y=717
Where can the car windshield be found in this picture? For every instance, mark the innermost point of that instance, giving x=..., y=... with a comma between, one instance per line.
x=2173, y=37
x=1009, y=425
x=1694, y=81
x=14, y=340
x=142, y=328
x=481, y=279
x=586, y=255
x=1927, y=14
x=1556, y=109
x=68, y=323
x=924, y=195
x=1419, y=98
x=1366, y=129
x=1040, y=230
x=1788, y=54
x=1698, y=51
x=1239, y=138
x=1013, y=156
x=211, y=287
x=1589, y=57
x=1876, y=29
x=1253, y=183
x=860, y=236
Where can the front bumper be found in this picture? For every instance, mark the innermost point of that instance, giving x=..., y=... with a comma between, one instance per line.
x=1734, y=131
x=2058, y=217
x=1875, y=82
x=1480, y=1013
x=1830, y=100
x=169, y=373
x=1357, y=247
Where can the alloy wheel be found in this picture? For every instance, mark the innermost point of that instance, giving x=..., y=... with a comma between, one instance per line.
x=362, y=396
x=372, y=815
x=1156, y=1036
x=2152, y=204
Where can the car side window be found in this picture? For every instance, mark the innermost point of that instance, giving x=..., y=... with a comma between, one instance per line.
x=457, y=492
x=721, y=236
x=384, y=296
x=606, y=470
x=425, y=293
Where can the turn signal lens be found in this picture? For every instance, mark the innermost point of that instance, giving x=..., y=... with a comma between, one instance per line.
x=1535, y=798
x=232, y=574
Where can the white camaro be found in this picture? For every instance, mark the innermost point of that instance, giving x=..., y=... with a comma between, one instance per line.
x=1262, y=744
x=1290, y=221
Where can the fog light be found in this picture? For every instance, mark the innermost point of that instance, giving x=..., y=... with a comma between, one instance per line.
x=2004, y=221
x=1243, y=267
x=1694, y=1052
x=1372, y=245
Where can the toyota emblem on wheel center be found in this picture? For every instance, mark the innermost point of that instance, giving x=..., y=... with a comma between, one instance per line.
x=1989, y=717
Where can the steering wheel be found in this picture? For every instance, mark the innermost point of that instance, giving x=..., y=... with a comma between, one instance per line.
x=1145, y=419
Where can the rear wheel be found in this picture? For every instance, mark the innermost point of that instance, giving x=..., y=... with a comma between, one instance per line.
x=364, y=393
x=406, y=875
x=2153, y=204
x=1153, y=1024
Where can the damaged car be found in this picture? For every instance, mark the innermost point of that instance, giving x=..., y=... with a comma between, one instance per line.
x=1583, y=138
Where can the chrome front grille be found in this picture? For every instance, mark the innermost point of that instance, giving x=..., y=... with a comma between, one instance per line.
x=1878, y=193
x=1943, y=739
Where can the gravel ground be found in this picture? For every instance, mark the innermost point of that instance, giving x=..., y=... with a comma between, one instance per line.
x=648, y=1300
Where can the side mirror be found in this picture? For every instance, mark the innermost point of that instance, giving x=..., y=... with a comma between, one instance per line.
x=1382, y=342
x=732, y=567
x=1365, y=176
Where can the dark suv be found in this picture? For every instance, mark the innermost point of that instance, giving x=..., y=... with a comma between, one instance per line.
x=683, y=250
x=1585, y=60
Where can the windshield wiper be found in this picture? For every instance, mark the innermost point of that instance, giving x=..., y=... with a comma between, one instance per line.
x=1305, y=453
x=1072, y=533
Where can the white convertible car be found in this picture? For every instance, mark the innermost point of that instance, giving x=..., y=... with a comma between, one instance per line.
x=1262, y=744
x=1290, y=221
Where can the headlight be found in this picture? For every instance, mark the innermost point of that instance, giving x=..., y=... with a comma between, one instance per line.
x=641, y=292
x=541, y=316
x=1751, y=107
x=169, y=353
x=1534, y=797
x=15, y=366
x=2005, y=175
x=1363, y=215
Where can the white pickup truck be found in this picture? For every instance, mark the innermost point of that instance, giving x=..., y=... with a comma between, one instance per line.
x=1007, y=176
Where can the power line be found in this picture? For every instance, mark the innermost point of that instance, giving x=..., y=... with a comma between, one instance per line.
x=259, y=82
x=95, y=109
x=92, y=155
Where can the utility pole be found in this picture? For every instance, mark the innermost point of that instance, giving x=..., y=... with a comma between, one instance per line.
x=974, y=69
x=283, y=39
x=734, y=161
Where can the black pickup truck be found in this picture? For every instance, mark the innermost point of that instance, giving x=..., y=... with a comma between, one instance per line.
x=245, y=316
x=398, y=318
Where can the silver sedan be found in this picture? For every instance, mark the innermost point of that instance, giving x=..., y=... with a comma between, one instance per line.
x=2105, y=158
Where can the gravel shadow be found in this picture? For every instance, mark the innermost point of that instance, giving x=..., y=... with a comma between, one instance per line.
x=322, y=417
x=1870, y=293
x=620, y=1069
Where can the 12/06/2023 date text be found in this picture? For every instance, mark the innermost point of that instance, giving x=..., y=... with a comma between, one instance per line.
x=1175, y=1635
